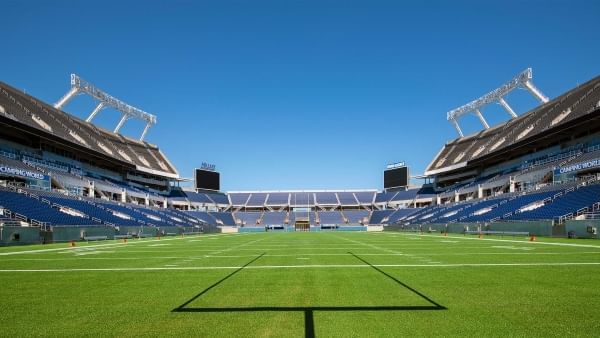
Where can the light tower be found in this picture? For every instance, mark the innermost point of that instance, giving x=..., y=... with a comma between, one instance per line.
x=522, y=80
x=80, y=86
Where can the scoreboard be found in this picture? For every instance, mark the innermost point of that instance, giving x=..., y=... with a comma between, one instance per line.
x=396, y=178
x=207, y=180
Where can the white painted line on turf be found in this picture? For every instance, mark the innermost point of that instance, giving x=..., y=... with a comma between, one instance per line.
x=87, y=253
x=190, y=259
x=99, y=245
x=512, y=241
x=343, y=266
x=511, y=247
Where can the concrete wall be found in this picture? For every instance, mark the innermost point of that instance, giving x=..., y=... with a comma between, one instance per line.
x=133, y=230
x=580, y=228
x=249, y=229
x=538, y=228
x=19, y=235
x=66, y=234
x=352, y=228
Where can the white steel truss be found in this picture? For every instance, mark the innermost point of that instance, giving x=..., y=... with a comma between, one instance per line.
x=522, y=80
x=80, y=86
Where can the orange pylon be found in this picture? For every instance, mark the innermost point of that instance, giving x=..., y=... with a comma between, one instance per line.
x=125, y=240
x=72, y=244
x=532, y=238
x=480, y=235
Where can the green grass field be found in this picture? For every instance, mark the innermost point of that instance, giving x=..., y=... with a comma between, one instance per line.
x=328, y=284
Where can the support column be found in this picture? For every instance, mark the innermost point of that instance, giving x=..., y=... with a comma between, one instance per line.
x=536, y=92
x=96, y=110
x=121, y=123
x=479, y=191
x=455, y=123
x=483, y=121
x=511, y=186
x=147, y=200
x=506, y=107
x=66, y=98
x=148, y=125
x=91, y=189
x=124, y=196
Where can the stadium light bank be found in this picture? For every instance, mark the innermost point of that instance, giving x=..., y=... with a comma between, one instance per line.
x=522, y=80
x=80, y=86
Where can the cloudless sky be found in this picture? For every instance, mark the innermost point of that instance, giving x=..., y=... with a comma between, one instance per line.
x=298, y=94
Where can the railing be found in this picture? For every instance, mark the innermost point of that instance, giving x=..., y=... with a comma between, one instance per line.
x=592, y=216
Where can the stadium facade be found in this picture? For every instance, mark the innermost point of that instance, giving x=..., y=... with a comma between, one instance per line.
x=64, y=178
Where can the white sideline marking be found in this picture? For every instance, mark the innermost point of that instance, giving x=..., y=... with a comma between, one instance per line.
x=512, y=247
x=513, y=241
x=346, y=266
x=91, y=247
x=190, y=259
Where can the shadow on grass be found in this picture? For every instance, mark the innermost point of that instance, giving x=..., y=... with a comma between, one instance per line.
x=309, y=325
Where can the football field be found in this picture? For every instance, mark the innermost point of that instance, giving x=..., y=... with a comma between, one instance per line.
x=325, y=284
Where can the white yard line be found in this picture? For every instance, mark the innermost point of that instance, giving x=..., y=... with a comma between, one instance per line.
x=317, y=266
x=512, y=241
x=189, y=258
x=120, y=244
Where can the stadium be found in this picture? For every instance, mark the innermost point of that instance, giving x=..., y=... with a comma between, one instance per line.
x=101, y=234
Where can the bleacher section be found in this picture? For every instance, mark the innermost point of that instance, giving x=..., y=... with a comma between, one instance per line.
x=326, y=198
x=576, y=103
x=278, y=199
x=378, y=216
x=256, y=200
x=355, y=217
x=36, y=211
x=223, y=218
x=274, y=218
x=46, y=120
x=568, y=204
x=541, y=166
x=248, y=219
x=347, y=198
x=330, y=217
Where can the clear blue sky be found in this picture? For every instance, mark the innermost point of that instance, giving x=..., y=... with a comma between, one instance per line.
x=298, y=94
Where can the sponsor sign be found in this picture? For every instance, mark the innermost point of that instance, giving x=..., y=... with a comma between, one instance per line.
x=6, y=170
